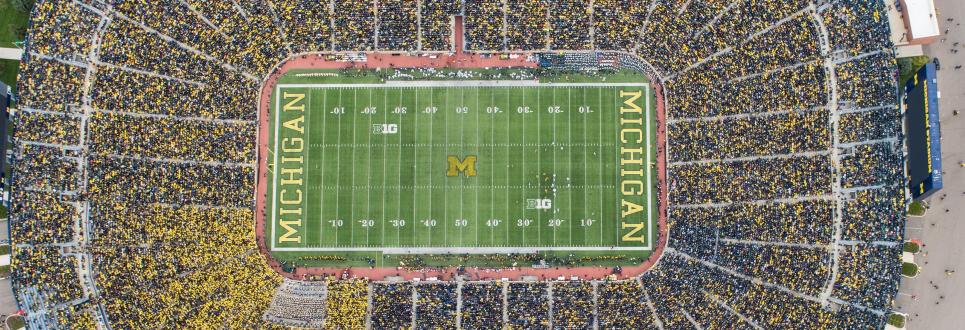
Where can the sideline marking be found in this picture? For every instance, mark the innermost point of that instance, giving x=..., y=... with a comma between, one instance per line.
x=450, y=84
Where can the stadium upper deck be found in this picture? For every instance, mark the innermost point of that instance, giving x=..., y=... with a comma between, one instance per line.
x=133, y=198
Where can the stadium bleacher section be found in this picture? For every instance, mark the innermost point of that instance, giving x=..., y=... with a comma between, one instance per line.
x=135, y=149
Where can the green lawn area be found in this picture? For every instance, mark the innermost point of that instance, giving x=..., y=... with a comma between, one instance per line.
x=912, y=247
x=547, y=173
x=909, y=269
x=916, y=208
x=897, y=320
x=13, y=25
x=909, y=66
x=16, y=323
x=4, y=249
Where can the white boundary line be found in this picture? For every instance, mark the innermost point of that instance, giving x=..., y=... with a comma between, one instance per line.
x=470, y=250
x=464, y=83
x=467, y=250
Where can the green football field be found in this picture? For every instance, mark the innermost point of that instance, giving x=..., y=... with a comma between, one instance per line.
x=481, y=167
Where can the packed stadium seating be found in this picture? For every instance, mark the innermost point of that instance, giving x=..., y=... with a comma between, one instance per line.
x=135, y=147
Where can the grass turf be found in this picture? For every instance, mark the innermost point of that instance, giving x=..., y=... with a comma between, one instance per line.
x=13, y=24
x=368, y=190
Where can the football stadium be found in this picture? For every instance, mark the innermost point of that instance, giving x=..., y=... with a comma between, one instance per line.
x=459, y=164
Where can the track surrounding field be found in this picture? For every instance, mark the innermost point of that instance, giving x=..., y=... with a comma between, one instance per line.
x=368, y=168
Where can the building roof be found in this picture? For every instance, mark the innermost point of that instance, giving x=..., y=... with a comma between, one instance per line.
x=922, y=18
x=11, y=54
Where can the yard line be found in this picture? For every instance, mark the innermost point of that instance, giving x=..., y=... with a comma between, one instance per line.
x=398, y=212
x=585, y=202
x=415, y=167
x=385, y=137
x=368, y=192
x=477, y=159
x=539, y=164
x=553, y=177
x=338, y=168
x=524, y=218
x=462, y=183
x=355, y=94
x=616, y=173
x=599, y=102
x=431, y=119
x=445, y=195
x=508, y=157
x=274, y=164
x=306, y=153
x=321, y=200
x=492, y=179
x=649, y=176
x=569, y=153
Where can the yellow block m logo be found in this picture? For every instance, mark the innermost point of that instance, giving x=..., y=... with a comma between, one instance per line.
x=467, y=165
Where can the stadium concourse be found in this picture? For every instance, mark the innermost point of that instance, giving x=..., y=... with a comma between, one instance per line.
x=134, y=182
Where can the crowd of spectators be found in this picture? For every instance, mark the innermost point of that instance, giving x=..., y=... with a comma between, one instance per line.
x=436, y=305
x=573, y=305
x=482, y=305
x=527, y=305
x=161, y=95
x=857, y=26
x=570, y=24
x=346, y=304
x=353, y=24
x=392, y=305
x=437, y=24
x=785, y=133
x=398, y=25
x=750, y=180
x=622, y=305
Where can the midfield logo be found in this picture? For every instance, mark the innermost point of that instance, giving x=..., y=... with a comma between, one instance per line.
x=456, y=166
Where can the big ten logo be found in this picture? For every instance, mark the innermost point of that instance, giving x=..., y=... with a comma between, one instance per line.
x=385, y=128
x=539, y=204
x=456, y=166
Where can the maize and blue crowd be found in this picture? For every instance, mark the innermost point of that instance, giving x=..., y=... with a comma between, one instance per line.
x=140, y=116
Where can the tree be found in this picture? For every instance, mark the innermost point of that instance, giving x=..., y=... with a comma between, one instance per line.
x=23, y=6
